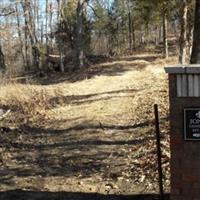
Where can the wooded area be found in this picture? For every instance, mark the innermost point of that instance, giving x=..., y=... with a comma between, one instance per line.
x=78, y=81
x=66, y=35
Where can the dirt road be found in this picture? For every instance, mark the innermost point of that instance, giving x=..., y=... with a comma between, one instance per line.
x=98, y=139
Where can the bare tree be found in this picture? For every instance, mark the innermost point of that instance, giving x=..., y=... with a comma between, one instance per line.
x=190, y=24
x=129, y=25
x=79, y=48
x=47, y=38
x=50, y=23
x=30, y=26
x=183, y=35
x=2, y=60
x=4, y=12
x=195, y=56
x=20, y=34
x=60, y=45
x=165, y=41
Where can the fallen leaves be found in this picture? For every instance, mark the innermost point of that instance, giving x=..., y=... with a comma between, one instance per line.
x=98, y=134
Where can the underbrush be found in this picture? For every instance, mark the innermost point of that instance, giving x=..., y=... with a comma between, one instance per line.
x=28, y=104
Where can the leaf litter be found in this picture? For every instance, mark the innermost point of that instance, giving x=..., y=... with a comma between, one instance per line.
x=95, y=135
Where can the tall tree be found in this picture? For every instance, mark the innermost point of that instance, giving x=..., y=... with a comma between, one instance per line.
x=190, y=25
x=30, y=26
x=50, y=23
x=195, y=57
x=60, y=34
x=47, y=38
x=79, y=48
x=4, y=12
x=20, y=34
x=183, y=35
x=165, y=30
x=130, y=25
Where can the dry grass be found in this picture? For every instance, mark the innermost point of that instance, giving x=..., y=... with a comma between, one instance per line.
x=29, y=104
x=112, y=105
x=102, y=98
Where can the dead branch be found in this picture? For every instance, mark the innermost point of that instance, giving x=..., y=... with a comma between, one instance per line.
x=4, y=115
x=6, y=14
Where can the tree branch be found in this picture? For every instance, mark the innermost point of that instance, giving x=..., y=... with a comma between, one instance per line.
x=6, y=14
x=4, y=115
x=94, y=11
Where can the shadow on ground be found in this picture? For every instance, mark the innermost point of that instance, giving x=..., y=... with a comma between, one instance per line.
x=90, y=98
x=83, y=99
x=32, y=195
x=79, y=149
x=147, y=58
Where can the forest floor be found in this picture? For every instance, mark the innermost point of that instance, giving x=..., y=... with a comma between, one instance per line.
x=86, y=136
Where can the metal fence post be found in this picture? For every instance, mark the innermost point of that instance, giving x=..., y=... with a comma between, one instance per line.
x=159, y=156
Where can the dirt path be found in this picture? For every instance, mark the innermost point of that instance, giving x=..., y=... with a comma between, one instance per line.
x=100, y=138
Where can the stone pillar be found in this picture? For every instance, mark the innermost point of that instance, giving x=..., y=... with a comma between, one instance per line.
x=184, y=94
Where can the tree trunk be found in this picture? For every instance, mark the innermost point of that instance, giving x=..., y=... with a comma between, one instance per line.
x=79, y=50
x=183, y=36
x=157, y=31
x=47, y=39
x=165, y=42
x=133, y=33
x=58, y=10
x=190, y=22
x=20, y=35
x=34, y=16
x=32, y=34
x=60, y=42
x=50, y=23
x=195, y=57
x=2, y=60
x=160, y=34
x=130, y=31
x=62, y=67
x=27, y=58
x=42, y=32
x=147, y=33
x=130, y=26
